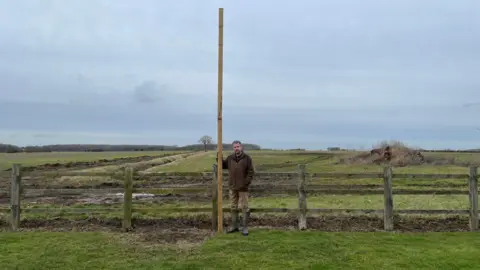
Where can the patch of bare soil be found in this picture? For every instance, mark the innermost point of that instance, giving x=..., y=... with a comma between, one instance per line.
x=174, y=235
x=176, y=161
x=167, y=160
x=107, y=198
x=174, y=229
x=86, y=164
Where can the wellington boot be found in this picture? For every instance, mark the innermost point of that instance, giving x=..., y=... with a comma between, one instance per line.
x=234, y=227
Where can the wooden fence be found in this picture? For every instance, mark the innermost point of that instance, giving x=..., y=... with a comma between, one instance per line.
x=300, y=189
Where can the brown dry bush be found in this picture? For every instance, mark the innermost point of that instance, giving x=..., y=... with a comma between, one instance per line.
x=402, y=155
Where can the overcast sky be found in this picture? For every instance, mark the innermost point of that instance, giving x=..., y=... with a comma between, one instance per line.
x=308, y=74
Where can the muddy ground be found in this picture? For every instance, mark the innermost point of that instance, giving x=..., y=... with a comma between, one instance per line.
x=115, y=196
x=192, y=189
x=199, y=181
x=197, y=229
x=78, y=165
x=139, y=181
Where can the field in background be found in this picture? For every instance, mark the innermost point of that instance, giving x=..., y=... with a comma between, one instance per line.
x=166, y=193
x=37, y=159
x=264, y=160
x=319, y=161
x=183, y=241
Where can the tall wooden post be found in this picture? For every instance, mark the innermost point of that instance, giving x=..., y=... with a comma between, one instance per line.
x=219, y=123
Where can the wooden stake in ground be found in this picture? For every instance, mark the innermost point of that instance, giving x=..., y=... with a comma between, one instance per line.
x=219, y=123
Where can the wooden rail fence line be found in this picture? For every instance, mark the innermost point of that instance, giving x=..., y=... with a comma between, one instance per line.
x=129, y=174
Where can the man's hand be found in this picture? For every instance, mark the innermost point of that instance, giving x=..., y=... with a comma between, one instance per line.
x=224, y=162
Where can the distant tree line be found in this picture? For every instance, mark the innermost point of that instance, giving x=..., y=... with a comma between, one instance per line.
x=9, y=148
x=453, y=151
x=207, y=146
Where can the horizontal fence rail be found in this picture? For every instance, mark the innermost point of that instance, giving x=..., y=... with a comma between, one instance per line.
x=24, y=185
x=226, y=209
x=257, y=174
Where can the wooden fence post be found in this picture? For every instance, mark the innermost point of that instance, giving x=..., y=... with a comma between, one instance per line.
x=214, y=200
x=387, y=198
x=15, y=197
x=302, y=198
x=473, y=198
x=127, y=199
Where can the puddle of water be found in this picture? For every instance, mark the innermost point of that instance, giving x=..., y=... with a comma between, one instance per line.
x=134, y=195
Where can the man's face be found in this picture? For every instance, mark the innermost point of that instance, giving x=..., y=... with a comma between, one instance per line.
x=237, y=147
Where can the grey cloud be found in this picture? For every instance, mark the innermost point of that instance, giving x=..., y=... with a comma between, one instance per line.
x=305, y=74
x=471, y=104
x=148, y=92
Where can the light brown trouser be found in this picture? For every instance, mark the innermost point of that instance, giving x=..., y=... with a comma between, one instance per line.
x=237, y=197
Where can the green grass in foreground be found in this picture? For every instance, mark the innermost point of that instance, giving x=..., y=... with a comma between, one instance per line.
x=261, y=250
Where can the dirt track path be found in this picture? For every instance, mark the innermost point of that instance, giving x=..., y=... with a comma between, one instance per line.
x=155, y=169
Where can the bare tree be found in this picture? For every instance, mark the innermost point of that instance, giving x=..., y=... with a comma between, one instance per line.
x=205, y=139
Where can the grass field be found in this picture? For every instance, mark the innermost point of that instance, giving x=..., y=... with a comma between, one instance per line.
x=318, y=161
x=421, y=202
x=261, y=159
x=169, y=157
x=287, y=161
x=283, y=161
x=148, y=248
x=34, y=159
x=262, y=250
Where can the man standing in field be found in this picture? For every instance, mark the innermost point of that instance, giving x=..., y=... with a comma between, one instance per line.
x=240, y=171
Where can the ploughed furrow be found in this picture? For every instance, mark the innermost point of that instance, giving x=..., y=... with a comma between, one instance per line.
x=175, y=162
